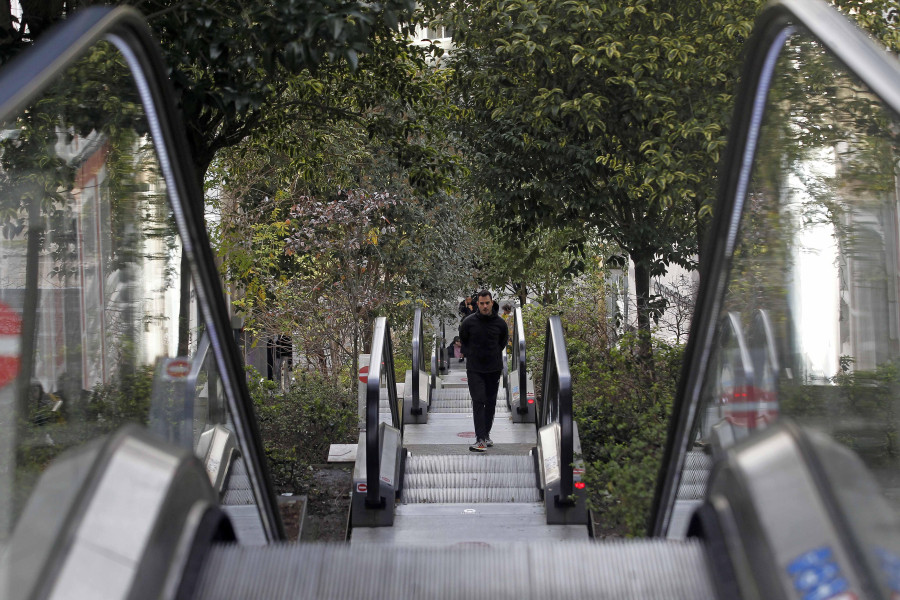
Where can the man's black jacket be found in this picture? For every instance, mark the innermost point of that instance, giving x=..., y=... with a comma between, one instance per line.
x=483, y=340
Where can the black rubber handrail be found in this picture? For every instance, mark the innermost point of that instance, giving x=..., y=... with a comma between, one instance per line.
x=190, y=390
x=442, y=358
x=519, y=360
x=877, y=69
x=434, y=362
x=381, y=367
x=556, y=404
x=418, y=359
x=41, y=66
x=215, y=410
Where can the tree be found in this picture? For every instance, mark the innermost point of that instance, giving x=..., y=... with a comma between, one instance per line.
x=607, y=114
x=237, y=67
x=536, y=264
x=230, y=61
x=323, y=225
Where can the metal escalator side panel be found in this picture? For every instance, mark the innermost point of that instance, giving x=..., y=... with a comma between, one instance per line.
x=364, y=512
x=802, y=236
x=561, y=510
x=216, y=449
x=123, y=517
x=799, y=516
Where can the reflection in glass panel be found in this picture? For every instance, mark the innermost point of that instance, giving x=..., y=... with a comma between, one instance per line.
x=95, y=330
x=812, y=298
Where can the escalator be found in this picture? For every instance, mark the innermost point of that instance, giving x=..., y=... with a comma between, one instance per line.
x=105, y=496
x=429, y=489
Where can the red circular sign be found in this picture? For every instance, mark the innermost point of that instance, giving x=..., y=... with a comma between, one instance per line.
x=10, y=354
x=178, y=368
x=364, y=374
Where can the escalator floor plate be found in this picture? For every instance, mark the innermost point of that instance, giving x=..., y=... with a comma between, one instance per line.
x=450, y=428
x=468, y=524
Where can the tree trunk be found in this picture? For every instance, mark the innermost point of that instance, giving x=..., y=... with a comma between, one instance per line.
x=642, y=295
x=184, y=306
x=184, y=296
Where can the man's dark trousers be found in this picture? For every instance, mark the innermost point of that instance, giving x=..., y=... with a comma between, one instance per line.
x=483, y=389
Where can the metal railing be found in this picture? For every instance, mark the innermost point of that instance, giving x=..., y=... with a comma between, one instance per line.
x=381, y=367
x=418, y=360
x=519, y=360
x=556, y=402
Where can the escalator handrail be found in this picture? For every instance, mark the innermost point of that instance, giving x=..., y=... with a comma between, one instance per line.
x=418, y=358
x=519, y=359
x=862, y=57
x=32, y=71
x=441, y=342
x=435, y=361
x=381, y=367
x=190, y=385
x=556, y=405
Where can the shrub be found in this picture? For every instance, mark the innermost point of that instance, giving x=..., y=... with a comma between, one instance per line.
x=621, y=404
x=623, y=414
x=297, y=427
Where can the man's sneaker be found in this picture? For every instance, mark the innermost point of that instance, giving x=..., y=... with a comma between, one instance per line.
x=488, y=441
x=478, y=446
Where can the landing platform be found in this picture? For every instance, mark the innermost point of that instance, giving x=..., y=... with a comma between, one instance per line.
x=477, y=524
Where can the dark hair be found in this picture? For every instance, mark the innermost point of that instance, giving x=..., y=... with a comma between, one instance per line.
x=507, y=307
x=485, y=293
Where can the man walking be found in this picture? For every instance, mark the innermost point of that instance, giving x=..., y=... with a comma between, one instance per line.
x=483, y=335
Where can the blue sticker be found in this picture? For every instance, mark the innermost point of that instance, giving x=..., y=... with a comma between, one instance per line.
x=816, y=575
x=890, y=564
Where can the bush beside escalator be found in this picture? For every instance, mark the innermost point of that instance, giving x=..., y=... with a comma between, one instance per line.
x=297, y=427
x=622, y=406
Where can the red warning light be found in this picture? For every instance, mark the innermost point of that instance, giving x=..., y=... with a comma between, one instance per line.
x=579, y=485
x=531, y=401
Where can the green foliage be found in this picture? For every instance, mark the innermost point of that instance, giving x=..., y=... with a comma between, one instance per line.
x=860, y=411
x=623, y=421
x=319, y=247
x=298, y=426
x=622, y=404
x=604, y=113
x=126, y=400
x=535, y=264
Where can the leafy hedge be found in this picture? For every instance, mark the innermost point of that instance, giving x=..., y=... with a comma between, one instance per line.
x=297, y=427
x=621, y=404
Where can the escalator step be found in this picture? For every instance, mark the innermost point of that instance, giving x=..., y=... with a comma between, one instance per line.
x=238, y=490
x=467, y=480
x=501, y=409
x=237, y=497
x=688, y=491
x=694, y=477
x=451, y=394
x=443, y=495
x=573, y=570
x=237, y=467
x=462, y=394
x=469, y=463
x=696, y=459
